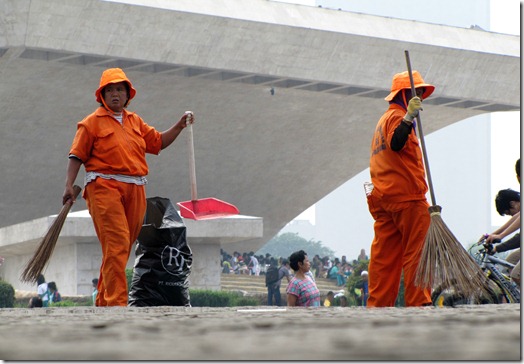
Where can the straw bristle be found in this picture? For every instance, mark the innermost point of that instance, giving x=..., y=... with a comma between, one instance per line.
x=36, y=265
x=444, y=261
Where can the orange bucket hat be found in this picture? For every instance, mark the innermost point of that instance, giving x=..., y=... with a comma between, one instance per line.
x=401, y=82
x=113, y=75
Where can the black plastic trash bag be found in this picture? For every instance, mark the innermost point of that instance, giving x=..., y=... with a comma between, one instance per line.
x=163, y=258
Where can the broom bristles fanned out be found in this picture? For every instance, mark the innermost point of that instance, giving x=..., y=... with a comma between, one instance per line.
x=37, y=263
x=445, y=263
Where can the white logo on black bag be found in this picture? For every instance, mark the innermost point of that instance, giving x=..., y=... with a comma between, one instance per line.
x=175, y=261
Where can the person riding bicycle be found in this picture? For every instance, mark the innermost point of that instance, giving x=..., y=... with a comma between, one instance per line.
x=507, y=202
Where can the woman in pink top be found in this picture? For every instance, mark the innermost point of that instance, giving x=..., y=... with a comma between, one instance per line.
x=302, y=289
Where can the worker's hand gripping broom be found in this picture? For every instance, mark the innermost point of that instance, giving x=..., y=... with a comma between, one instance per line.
x=444, y=262
x=36, y=265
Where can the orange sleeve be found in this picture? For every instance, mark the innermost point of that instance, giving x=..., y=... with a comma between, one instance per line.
x=83, y=141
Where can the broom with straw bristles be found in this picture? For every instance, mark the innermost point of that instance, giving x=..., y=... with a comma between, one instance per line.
x=36, y=265
x=444, y=262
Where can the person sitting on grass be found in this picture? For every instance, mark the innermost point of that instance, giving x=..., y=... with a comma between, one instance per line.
x=35, y=302
x=54, y=295
x=328, y=302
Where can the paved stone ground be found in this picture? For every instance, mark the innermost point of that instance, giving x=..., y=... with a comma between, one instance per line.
x=483, y=332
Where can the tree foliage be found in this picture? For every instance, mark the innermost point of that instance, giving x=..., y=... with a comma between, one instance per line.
x=7, y=294
x=284, y=245
x=354, y=283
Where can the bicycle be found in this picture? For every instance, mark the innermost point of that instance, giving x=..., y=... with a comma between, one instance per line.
x=501, y=289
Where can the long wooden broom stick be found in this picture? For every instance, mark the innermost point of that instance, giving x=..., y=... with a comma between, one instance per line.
x=36, y=265
x=444, y=262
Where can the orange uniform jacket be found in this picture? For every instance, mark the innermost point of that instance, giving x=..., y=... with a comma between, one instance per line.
x=105, y=146
x=396, y=176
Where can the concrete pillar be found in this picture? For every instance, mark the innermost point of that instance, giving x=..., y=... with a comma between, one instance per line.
x=205, y=271
x=88, y=257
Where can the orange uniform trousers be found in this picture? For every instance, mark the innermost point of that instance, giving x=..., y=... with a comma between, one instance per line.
x=400, y=231
x=117, y=210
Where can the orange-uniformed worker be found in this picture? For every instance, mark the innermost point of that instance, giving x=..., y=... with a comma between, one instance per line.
x=397, y=200
x=112, y=143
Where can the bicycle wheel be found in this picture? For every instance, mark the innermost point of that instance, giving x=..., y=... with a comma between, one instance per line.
x=496, y=294
x=449, y=298
x=512, y=293
x=440, y=293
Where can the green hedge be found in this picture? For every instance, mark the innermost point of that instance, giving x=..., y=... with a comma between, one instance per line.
x=7, y=294
x=208, y=298
x=70, y=303
x=129, y=277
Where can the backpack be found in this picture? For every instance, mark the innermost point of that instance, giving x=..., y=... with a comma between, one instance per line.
x=272, y=275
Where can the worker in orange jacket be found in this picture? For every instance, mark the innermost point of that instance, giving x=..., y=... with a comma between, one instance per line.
x=397, y=197
x=112, y=143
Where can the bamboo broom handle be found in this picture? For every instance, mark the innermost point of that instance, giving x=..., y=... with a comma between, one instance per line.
x=191, y=153
x=421, y=134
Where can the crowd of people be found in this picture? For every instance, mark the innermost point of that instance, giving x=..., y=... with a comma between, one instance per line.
x=245, y=263
x=335, y=268
x=338, y=269
x=300, y=272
